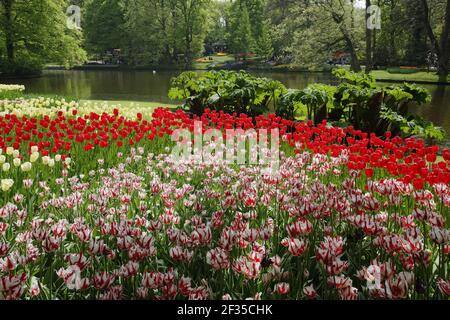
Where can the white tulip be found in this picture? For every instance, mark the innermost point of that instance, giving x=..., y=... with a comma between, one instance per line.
x=2, y=158
x=34, y=156
x=51, y=163
x=16, y=153
x=6, y=184
x=16, y=162
x=45, y=160
x=58, y=158
x=26, y=166
x=6, y=166
x=9, y=151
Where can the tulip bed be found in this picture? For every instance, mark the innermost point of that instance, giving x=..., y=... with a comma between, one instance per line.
x=93, y=206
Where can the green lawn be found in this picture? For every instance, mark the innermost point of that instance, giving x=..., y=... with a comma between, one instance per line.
x=215, y=59
x=416, y=76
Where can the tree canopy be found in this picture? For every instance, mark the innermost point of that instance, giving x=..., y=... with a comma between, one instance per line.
x=307, y=33
x=35, y=32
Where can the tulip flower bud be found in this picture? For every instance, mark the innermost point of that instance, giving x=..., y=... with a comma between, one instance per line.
x=16, y=153
x=6, y=166
x=6, y=184
x=26, y=167
x=9, y=151
x=34, y=156
x=16, y=162
x=45, y=160
x=51, y=163
x=58, y=158
x=2, y=158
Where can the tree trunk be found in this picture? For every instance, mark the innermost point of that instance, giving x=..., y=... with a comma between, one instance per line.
x=9, y=31
x=354, y=63
x=369, y=59
x=440, y=48
x=443, y=69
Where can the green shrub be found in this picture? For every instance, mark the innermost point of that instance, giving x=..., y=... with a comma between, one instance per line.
x=357, y=101
x=229, y=91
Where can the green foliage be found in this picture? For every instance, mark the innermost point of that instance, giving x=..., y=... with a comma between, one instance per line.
x=315, y=98
x=37, y=33
x=165, y=31
x=413, y=126
x=229, y=91
x=103, y=25
x=239, y=35
x=354, y=78
x=375, y=109
x=356, y=101
x=264, y=43
x=359, y=102
x=419, y=94
x=216, y=35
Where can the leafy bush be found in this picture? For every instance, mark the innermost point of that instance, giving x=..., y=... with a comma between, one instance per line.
x=229, y=91
x=357, y=101
x=380, y=109
x=315, y=99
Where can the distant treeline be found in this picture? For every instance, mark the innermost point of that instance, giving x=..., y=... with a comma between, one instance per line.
x=304, y=33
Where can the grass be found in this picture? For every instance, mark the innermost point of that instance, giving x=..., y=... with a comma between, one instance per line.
x=416, y=76
x=215, y=59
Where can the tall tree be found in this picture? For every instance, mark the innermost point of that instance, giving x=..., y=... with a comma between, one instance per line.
x=415, y=35
x=163, y=31
x=281, y=15
x=216, y=35
x=240, y=37
x=103, y=25
x=35, y=32
x=440, y=46
x=192, y=26
x=338, y=9
x=9, y=29
x=369, y=39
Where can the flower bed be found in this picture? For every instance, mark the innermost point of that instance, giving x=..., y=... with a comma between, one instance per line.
x=93, y=206
x=11, y=87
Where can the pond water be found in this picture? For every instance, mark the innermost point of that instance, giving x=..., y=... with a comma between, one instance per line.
x=149, y=86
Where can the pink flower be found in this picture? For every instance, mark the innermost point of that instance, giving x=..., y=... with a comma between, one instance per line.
x=103, y=280
x=282, y=288
x=444, y=286
x=152, y=280
x=309, y=292
x=72, y=278
x=35, y=290
x=217, y=258
x=77, y=259
x=296, y=247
